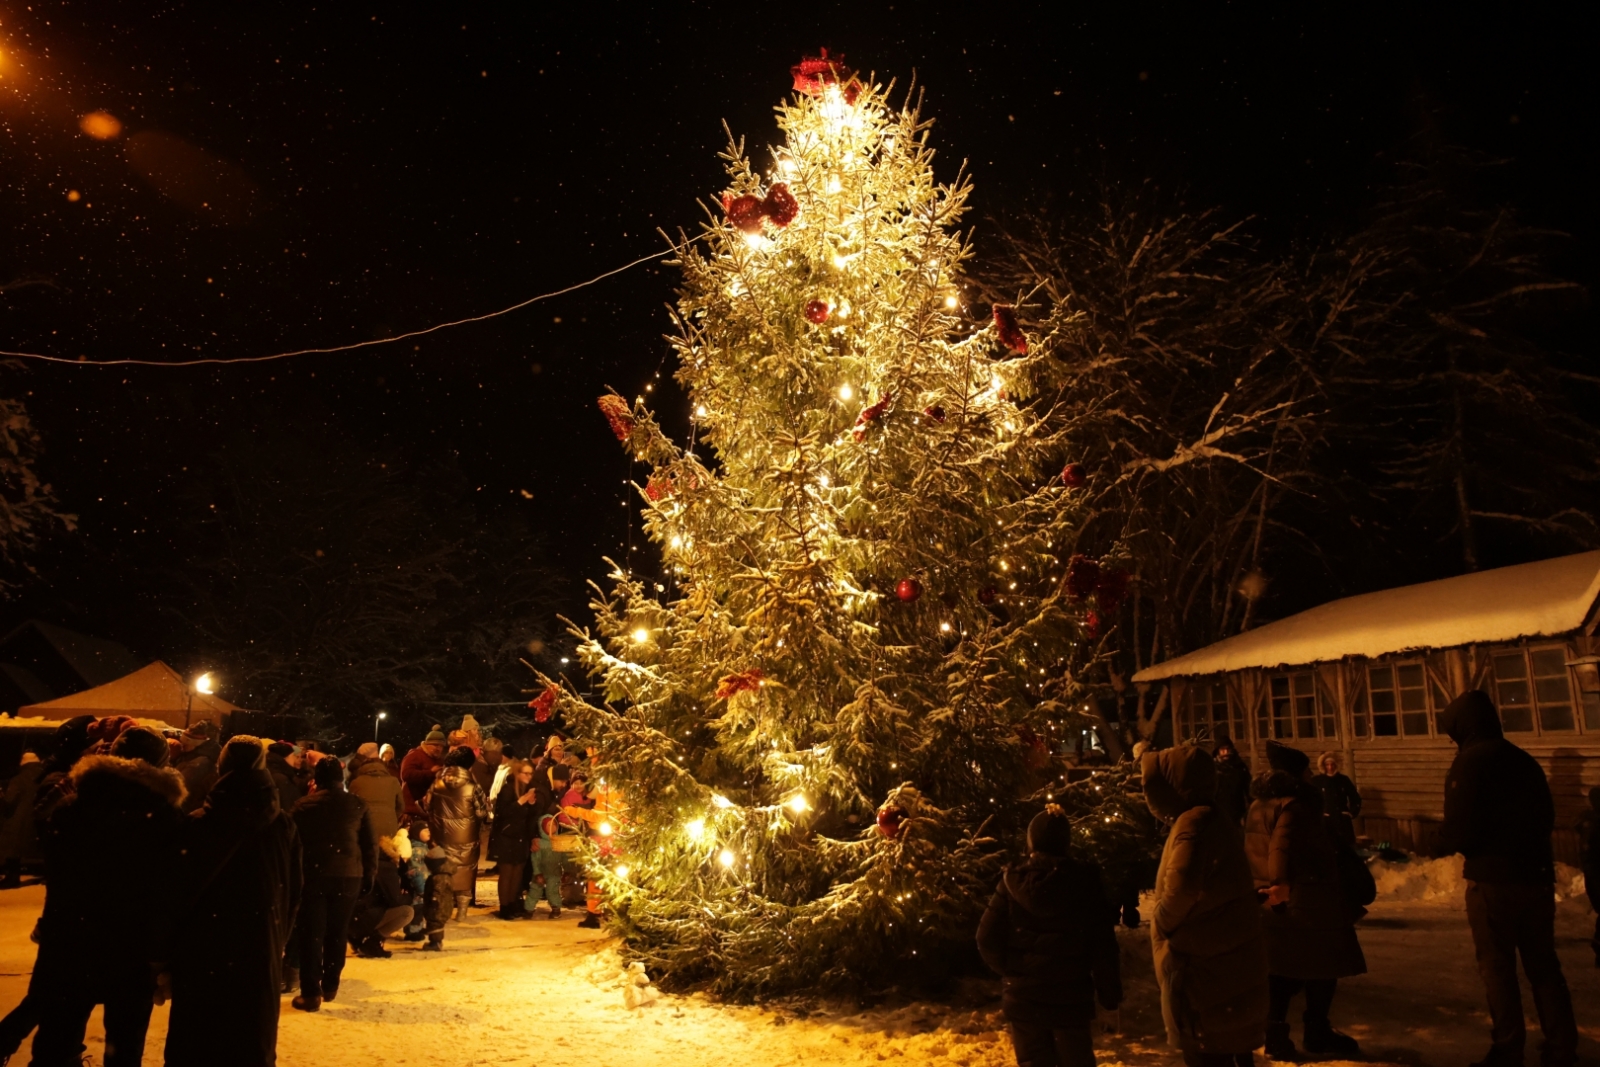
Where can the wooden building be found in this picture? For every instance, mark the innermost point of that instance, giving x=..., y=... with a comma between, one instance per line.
x=1367, y=677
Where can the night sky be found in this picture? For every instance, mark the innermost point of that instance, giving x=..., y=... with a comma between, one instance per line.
x=290, y=176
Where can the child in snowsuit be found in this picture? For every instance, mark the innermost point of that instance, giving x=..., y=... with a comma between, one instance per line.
x=441, y=895
x=1049, y=934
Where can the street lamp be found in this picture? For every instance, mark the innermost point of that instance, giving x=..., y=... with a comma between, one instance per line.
x=376, y=722
x=205, y=685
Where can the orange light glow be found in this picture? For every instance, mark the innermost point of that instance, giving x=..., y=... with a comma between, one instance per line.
x=101, y=125
x=73, y=196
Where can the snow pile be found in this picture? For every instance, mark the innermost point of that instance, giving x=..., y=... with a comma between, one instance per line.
x=1440, y=881
x=1433, y=881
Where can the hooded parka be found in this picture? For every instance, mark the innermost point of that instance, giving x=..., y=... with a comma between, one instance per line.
x=1313, y=934
x=1497, y=807
x=239, y=890
x=1210, y=955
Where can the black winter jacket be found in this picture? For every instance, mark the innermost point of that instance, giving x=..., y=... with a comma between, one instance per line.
x=287, y=779
x=515, y=826
x=1339, y=795
x=1047, y=932
x=336, y=838
x=456, y=811
x=1497, y=807
x=113, y=849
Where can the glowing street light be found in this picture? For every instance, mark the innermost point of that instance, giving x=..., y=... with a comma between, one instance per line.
x=205, y=685
x=377, y=721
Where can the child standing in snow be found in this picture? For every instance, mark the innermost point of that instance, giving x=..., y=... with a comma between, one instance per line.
x=441, y=895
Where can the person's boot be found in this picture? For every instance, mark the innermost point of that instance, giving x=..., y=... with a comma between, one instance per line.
x=291, y=979
x=1279, y=1046
x=330, y=989
x=433, y=946
x=555, y=913
x=1321, y=1039
x=372, y=949
x=307, y=1003
x=590, y=921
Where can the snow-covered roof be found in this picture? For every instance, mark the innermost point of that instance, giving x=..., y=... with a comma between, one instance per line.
x=1553, y=596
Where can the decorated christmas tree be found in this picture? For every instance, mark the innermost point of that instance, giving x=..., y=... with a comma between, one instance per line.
x=836, y=705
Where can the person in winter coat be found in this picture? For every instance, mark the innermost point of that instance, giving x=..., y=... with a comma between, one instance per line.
x=1048, y=933
x=418, y=769
x=238, y=891
x=284, y=763
x=197, y=762
x=113, y=847
x=1498, y=813
x=1590, y=835
x=1205, y=932
x=1341, y=803
x=455, y=812
x=1233, y=781
x=516, y=824
x=549, y=863
x=340, y=858
x=380, y=790
x=19, y=839
x=1311, y=936
x=383, y=911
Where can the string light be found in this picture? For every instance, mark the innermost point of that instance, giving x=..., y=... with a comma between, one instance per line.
x=695, y=828
x=641, y=635
x=622, y=870
x=726, y=857
x=845, y=392
x=798, y=804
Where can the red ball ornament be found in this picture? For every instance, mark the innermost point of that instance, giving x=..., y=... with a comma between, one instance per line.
x=1083, y=576
x=817, y=311
x=1091, y=624
x=780, y=206
x=987, y=594
x=934, y=412
x=908, y=590
x=744, y=213
x=889, y=819
x=1073, y=476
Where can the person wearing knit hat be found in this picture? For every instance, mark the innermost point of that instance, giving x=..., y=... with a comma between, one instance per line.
x=418, y=769
x=1047, y=932
x=241, y=879
x=1310, y=927
x=141, y=743
x=71, y=742
x=369, y=750
x=284, y=763
x=374, y=782
x=196, y=760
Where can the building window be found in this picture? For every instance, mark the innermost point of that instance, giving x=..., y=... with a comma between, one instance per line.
x=1533, y=687
x=1397, y=695
x=1210, y=709
x=1293, y=709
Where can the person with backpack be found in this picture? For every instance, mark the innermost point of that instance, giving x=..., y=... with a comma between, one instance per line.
x=1308, y=918
x=1048, y=933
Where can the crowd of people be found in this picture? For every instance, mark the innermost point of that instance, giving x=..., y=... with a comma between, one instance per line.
x=1256, y=902
x=223, y=875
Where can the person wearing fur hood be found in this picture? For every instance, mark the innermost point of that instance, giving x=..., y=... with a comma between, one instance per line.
x=114, y=843
x=1048, y=933
x=1205, y=930
x=1311, y=935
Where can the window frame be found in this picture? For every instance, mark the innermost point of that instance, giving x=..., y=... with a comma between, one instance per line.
x=1365, y=714
x=1323, y=712
x=1535, y=705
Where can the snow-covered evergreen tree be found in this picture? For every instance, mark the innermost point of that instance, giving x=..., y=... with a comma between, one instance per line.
x=840, y=695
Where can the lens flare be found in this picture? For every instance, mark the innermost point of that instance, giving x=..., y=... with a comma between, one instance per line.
x=101, y=125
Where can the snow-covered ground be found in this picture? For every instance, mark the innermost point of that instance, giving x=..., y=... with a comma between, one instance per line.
x=547, y=994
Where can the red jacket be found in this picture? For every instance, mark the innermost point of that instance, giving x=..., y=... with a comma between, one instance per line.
x=417, y=772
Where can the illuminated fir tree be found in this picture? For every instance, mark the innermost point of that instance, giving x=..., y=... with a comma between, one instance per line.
x=829, y=711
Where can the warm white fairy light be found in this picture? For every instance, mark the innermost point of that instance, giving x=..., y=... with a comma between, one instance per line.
x=641, y=635
x=951, y=301
x=944, y=627
x=700, y=411
x=798, y=803
x=846, y=392
x=695, y=828
x=726, y=857
x=622, y=870
x=604, y=829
